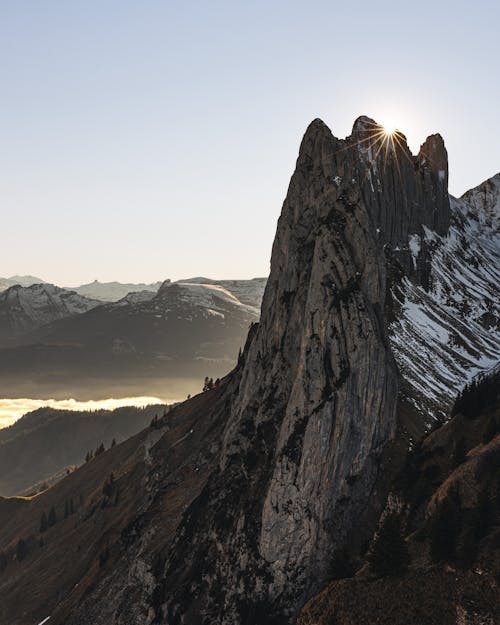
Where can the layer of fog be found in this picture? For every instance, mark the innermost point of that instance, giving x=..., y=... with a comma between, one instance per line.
x=13, y=409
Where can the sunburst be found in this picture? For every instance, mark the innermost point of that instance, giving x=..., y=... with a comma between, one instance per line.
x=380, y=140
x=382, y=144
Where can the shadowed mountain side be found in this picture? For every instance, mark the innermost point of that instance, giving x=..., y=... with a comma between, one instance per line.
x=40, y=446
x=105, y=532
x=447, y=500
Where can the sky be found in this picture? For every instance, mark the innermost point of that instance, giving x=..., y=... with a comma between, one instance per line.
x=148, y=140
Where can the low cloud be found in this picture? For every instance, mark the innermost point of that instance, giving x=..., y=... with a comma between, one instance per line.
x=13, y=409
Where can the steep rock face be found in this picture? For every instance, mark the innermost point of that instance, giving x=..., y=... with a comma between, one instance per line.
x=453, y=580
x=318, y=393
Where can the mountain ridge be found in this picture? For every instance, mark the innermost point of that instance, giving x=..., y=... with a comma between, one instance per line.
x=232, y=508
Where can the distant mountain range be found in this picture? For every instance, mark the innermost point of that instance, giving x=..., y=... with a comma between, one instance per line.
x=113, y=291
x=103, y=291
x=247, y=291
x=5, y=283
x=55, y=338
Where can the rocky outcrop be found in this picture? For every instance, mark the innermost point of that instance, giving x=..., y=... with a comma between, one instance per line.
x=317, y=399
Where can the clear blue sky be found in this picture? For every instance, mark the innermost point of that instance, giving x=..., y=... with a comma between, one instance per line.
x=144, y=140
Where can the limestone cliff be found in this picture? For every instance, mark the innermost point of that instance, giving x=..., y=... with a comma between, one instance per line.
x=317, y=398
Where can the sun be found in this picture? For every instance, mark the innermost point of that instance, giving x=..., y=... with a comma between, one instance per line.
x=389, y=128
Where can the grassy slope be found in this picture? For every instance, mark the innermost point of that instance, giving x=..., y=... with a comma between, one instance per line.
x=60, y=574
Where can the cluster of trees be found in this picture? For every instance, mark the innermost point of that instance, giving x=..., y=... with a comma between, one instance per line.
x=157, y=421
x=98, y=451
x=478, y=396
x=48, y=520
x=455, y=533
x=388, y=554
x=20, y=552
x=209, y=384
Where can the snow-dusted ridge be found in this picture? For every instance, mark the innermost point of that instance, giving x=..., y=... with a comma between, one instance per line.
x=26, y=308
x=445, y=336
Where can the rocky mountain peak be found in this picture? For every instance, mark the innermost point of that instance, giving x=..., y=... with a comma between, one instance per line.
x=317, y=386
x=316, y=399
x=382, y=296
x=433, y=152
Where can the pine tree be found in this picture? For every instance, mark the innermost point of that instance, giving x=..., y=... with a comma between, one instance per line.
x=52, y=518
x=483, y=515
x=43, y=523
x=489, y=431
x=21, y=550
x=103, y=556
x=445, y=530
x=3, y=561
x=389, y=552
x=459, y=454
x=340, y=566
x=467, y=549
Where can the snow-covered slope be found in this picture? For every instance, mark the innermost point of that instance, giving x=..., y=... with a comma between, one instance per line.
x=187, y=301
x=23, y=309
x=171, y=333
x=246, y=291
x=444, y=335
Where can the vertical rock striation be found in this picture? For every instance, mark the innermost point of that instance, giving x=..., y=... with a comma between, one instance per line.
x=317, y=386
